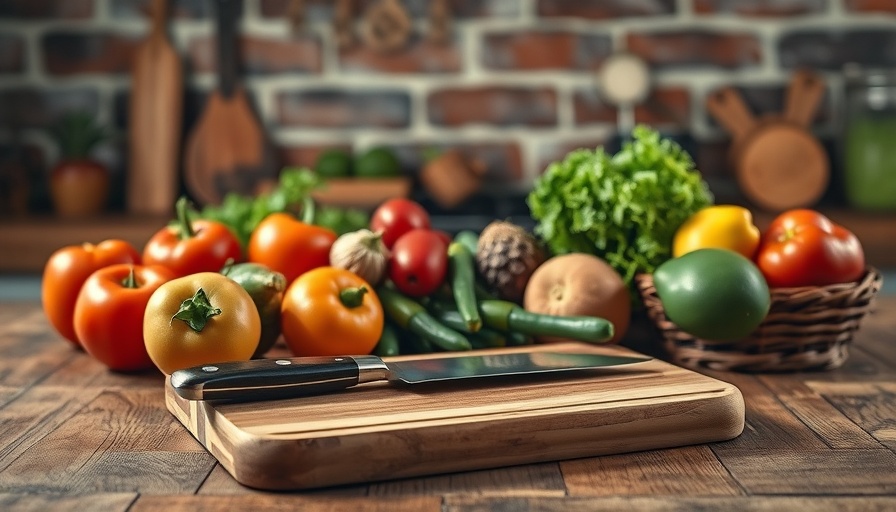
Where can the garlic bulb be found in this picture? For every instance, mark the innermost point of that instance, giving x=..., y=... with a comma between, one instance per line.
x=362, y=252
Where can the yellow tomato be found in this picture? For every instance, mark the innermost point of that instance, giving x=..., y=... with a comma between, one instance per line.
x=331, y=311
x=200, y=319
x=718, y=227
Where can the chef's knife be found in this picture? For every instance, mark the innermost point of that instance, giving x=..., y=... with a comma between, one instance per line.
x=262, y=379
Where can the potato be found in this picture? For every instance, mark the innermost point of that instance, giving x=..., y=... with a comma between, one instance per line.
x=579, y=284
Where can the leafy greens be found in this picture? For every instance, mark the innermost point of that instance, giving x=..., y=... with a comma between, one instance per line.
x=243, y=213
x=624, y=208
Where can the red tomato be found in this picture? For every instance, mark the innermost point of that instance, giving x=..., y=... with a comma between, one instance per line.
x=109, y=314
x=192, y=247
x=65, y=273
x=419, y=262
x=804, y=248
x=292, y=247
x=396, y=217
x=446, y=238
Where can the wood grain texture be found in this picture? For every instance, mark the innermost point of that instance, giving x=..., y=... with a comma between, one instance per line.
x=36, y=413
x=820, y=415
x=380, y=432
x=871, y=406
x=107, y=502
x=669, y=504
x=74, y=436
x=219, y=482
x=530, y=480
x=280, y=502
x=122, y=437
x=771, y=425
x=667, y=472
x=807, y=471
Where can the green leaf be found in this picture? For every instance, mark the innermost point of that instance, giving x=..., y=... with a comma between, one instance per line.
x=625, y=207
x=196, y=311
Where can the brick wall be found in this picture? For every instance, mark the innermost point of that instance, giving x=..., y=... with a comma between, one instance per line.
x=515, y=85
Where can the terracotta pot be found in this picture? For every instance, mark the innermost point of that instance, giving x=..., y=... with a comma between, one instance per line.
x=79, y=187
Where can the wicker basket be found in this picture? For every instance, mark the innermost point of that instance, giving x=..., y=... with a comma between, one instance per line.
x=807, y=328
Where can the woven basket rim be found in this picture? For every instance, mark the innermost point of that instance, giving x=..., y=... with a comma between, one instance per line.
x=808, y=327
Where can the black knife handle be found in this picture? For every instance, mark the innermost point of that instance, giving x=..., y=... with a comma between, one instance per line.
x=264, y=379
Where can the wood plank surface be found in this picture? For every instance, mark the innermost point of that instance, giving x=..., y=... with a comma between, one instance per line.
x=74, y=436
x=679, y=471
x=107, y=502
x=280, y=502
x=667, y=504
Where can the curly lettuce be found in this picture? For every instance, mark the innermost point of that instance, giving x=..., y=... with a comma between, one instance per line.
x=625, y=207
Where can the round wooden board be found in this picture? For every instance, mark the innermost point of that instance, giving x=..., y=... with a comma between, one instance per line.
x=782, y=167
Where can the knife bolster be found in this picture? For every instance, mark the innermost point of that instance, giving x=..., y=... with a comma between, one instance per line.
x=371, y=369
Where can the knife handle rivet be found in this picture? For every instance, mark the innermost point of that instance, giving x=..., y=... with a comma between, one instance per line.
x=282, y=362
x=209, y=368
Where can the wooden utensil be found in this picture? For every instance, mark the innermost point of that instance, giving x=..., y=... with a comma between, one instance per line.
x=387, y=26
x=377, y=432
x=439, y=22
x=779, y=164
x=227, y=150
x=342, y=24
x=154, y=122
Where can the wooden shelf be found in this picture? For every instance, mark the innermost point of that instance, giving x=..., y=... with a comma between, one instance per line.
x=361, y=193
x=27, y=242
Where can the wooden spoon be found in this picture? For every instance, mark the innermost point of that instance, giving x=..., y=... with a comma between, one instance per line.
x=227, y=151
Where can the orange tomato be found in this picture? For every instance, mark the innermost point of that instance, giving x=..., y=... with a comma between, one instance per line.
x=109, y=314
x=65, y=273
x=331, y=311
x=200, y=319
x=290, y=246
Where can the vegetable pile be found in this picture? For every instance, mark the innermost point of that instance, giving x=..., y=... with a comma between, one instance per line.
x=624, y=207
x=230, y=282
x=193, y=296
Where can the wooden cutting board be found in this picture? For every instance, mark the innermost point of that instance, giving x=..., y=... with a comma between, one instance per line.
x=779, y=163
x=154, y=124
x=381, y=432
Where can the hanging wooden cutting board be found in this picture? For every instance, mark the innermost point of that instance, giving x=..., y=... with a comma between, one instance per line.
x=779, y=164
x=227, y=150
x=381, y=432
x=154, y=121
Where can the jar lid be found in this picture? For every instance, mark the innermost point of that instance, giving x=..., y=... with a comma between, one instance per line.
x=624, y=79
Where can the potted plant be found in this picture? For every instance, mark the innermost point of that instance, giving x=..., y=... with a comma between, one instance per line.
x=79, y=184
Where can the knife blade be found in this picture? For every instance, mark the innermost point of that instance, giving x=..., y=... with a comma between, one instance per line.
x=264, y=379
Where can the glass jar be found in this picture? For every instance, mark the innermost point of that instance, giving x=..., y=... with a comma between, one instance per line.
x=869, y=169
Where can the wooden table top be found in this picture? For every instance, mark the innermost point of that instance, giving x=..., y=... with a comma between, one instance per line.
x=74, y=436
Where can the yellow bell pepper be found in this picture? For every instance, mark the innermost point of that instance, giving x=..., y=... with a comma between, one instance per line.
x=722, y=227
